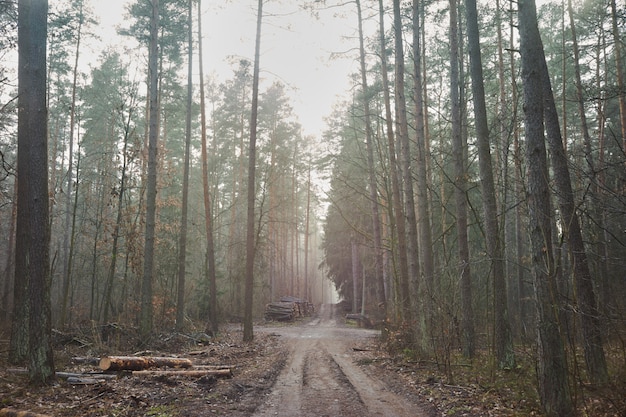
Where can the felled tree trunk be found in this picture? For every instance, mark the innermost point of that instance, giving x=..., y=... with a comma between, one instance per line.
x=194, y=373
x=9, y=412
x=138, y=363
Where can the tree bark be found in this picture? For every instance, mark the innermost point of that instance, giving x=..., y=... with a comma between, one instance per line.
x=248, y=334
x=524, y=296
x=396, y=215
x=503, y=342
x=619, y=64
x=552, y=363
x=355, y=274
x=426, y=258
x=460, y=192
x=146, y=313
x=70, y=211
x=9, y=269
x=33, y=231
x=585, y=294
x=307, y=222
x=371, y=168
x=108, y=289
x=409, y=290
x=182, y=246
x=208, y=211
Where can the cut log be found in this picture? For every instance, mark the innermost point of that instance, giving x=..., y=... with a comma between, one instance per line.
x=92, y=375
x=194, y=373
x=137, y=363
x=9, y=412
x=213, y=367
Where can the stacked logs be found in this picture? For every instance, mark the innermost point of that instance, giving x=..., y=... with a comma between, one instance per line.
x=288, y=308
x=280, y=311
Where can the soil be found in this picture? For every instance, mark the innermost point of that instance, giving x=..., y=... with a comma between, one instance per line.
x=322, y=376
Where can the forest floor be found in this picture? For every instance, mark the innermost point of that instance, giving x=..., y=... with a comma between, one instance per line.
x=316, y=367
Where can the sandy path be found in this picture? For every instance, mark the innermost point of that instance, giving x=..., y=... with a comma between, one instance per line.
x=320, y=377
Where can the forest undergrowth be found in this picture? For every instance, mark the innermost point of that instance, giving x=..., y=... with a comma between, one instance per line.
x=458, y=386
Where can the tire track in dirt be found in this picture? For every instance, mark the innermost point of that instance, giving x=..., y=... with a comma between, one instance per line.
x=326, y=389
x=321, y=379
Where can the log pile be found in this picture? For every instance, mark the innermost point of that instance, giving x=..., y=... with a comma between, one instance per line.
x=304, y=308
x=140, y=366
x=280, y=311
x=144, y=366
x=288, y=308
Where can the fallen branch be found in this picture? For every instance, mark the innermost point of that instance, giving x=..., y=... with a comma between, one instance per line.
x=67, y=375
x=84, y=381
x=92, y=375
x=195, y=373
x=9, y=412
x=137, y=363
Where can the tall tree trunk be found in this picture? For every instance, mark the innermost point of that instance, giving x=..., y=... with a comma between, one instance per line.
x=605, y=300
x=619, y=64
x=108, y=289
x=74, y=207
x=182, y=246
x=248, y=334
x=524, y=310
x=552, y=363
x=460, y=192
x=355, y=274
x=67, y=248
x=32, y=272
x=94, y=313
x=208, y=210
x=564, y=76
x=410, y=293
x=146, y=313
x=307, y=225
x=503, y=148
x=396, y=217
x=9, y=269
x=579, y=96
x=371, y=168
x=427, y=258
x=503, y=342
x=585, y=295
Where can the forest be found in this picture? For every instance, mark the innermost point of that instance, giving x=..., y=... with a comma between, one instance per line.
x=468, y=193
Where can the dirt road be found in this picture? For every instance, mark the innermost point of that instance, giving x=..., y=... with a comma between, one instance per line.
x=320, y=377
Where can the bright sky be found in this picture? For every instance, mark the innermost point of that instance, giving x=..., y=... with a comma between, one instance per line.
x=296, y=48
